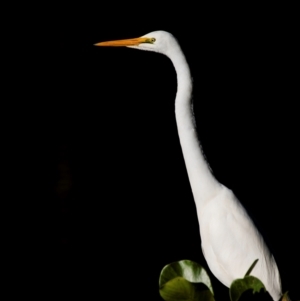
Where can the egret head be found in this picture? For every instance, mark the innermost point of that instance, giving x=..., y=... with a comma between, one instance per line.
x=158, y=41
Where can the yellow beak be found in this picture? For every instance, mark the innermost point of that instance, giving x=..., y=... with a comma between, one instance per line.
x=127, y=42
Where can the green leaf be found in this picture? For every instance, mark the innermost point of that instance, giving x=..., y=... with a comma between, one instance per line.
x=185, y=280
x=179, y=289
x=189, y=270
x=239, y=286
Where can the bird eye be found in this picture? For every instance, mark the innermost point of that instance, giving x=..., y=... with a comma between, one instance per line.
x=150, y=40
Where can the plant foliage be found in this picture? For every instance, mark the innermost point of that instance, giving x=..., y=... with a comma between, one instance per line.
x=186, y=280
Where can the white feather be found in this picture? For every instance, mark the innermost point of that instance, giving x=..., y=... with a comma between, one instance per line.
x=230, y=240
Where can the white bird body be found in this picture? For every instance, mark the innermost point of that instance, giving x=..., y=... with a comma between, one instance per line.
x=230, y=240
x=231, y=243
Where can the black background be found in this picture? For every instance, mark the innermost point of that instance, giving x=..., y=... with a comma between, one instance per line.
x=112, y=166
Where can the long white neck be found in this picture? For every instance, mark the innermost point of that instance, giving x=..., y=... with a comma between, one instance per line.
x=204, y=185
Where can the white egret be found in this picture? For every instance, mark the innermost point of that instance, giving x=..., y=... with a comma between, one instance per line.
x=230, y=240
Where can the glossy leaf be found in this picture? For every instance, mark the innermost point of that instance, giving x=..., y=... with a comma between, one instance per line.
x=179, y=289
x=185, y=280
x=187, y=269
